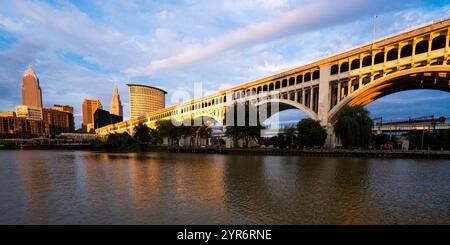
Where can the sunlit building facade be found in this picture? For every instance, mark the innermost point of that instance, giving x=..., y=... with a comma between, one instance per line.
x=65, y=108
x=29, y=112
x=89, y=108
x=31, y=91
x=58, y=121
x=7, y=114
x=145, y=99
x=22, y=127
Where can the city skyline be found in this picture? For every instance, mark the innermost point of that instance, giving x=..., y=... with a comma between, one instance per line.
x=70, y=73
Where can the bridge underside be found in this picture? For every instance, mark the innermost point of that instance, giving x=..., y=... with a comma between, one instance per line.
x=434, y=78
x=432, y=81
x=265, y=108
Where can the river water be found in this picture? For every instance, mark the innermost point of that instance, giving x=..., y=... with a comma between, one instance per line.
x=81, y=187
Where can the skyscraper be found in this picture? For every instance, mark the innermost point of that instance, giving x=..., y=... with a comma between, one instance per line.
x=145, y=99
x=89, y=107
x=31, y=91
x=116, y=105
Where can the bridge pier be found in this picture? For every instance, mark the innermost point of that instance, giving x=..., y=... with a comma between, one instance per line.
x=324, y=106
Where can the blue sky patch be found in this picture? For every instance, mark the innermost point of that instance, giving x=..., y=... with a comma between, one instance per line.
x=78, y=59
x=6, y=40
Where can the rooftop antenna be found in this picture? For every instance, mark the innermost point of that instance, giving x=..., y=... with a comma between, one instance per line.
x=373, y=30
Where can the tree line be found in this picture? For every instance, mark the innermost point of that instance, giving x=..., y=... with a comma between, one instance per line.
x=353, y=130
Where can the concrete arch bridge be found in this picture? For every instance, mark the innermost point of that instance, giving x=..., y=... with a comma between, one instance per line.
x=414, y=59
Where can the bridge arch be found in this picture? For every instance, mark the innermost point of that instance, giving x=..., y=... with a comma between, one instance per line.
x=344, y=67
x=285, y=104
x=438, y=42
x=427, y=77
x=406, y=51
x=355, y=64
x=392, y=54
x=206, y=116
x=422, y=47
x=379, y=58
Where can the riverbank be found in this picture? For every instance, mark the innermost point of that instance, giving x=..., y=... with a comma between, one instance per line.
x=426, y=154
x=320, y=152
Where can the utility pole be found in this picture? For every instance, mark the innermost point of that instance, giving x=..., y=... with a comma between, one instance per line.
x=373, y=30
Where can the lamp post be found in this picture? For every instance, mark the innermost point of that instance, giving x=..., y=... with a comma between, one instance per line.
x=423, y=134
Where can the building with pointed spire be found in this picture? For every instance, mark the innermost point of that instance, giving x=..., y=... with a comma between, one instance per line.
x=31, y=91
x=116, y=104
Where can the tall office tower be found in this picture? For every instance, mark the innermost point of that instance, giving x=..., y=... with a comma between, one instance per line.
x=89, y=108
x=145, y=99
x=116, y=105
x=31, y=91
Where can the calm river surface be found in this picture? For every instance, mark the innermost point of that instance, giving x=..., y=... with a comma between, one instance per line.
x=77, y=187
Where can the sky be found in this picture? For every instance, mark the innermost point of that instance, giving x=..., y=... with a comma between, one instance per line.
x=81, y=49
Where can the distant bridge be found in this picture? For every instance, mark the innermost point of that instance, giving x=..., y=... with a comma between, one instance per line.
x=409, y=127
x=415, y=59
x=416, y=124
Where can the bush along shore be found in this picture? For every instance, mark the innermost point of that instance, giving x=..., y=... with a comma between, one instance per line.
x=133, y=146
x=5, y=145
x=353, y=130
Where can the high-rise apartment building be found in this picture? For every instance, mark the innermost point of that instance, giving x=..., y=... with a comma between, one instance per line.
x=145, y=99
x=116, y=104
x=89, y=108
x=31, y=91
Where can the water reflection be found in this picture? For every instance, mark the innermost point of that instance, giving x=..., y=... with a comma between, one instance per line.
x=64, y=187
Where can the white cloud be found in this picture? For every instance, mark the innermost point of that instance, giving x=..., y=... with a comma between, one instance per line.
x=307, y=17
x=164, y=15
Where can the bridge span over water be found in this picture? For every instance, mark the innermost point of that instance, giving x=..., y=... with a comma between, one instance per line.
x=414, y=59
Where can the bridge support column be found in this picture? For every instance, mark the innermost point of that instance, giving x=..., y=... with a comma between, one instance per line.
x=324, y=103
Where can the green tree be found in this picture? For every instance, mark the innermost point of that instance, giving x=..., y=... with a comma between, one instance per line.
x=116, y=141
x=201, y=132
x=310, y=133
x=155, y=139
x=166, y=129
x=290, y=136
x=246, y=132
x=142, y=133
x=354, y=127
